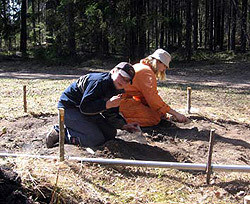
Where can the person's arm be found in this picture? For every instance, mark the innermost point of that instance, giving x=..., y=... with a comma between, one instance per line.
x=147, y=85
x=114, y=101
x=116, y=120
x=92, y=101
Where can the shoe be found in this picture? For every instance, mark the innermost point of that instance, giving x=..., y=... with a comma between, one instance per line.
x=52, y=138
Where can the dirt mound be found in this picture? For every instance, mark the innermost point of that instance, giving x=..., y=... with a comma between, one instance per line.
x=165, y=142
x=132, y=150
x=11, y=190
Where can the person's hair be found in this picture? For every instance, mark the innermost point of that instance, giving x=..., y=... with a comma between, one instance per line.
x=152, y=63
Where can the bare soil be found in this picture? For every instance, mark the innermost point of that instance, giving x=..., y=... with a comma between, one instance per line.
x=168, y=141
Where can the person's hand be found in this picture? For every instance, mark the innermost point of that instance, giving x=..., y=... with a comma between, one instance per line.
x=131, y=127
x=181, y=118
x=178, y=117
x=114, y=101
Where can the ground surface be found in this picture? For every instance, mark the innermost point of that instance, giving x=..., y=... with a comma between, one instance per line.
x=169, y=141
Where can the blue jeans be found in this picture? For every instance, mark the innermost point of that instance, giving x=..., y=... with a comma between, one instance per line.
x=85, y=130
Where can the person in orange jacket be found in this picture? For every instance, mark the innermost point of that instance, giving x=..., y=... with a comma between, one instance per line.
x=141, y=102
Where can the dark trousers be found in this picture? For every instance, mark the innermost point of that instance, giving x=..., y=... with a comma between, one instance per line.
x=85, y=130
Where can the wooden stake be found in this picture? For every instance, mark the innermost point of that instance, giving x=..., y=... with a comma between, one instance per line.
x=24, y=99
x=209, y=161
x=61, y=133
x=188, y=99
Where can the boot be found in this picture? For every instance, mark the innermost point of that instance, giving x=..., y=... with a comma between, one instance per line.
x=52, y=138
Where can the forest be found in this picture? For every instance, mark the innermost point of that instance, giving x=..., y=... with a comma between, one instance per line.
x=48, y=29
x=45, y=45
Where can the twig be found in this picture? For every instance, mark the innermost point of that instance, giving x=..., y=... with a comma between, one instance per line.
x=34, y=182
x=54, y=189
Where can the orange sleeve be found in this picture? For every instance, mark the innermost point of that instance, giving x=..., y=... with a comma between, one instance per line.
x=147, y=85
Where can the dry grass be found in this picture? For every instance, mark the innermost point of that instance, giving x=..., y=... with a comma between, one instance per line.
x=42, y=96
x=216, y=102
x=102, y=184
x=89, y=183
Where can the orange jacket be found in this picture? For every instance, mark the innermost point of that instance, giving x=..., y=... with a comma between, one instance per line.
x=141, y=102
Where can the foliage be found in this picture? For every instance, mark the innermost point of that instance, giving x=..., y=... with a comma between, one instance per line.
x=129, y=28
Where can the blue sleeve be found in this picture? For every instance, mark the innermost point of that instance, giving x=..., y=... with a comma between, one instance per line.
x=93, y=101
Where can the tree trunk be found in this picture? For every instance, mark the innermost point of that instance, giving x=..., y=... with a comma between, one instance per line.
x=5, y=23
x=195, y=24
x=71, y=28
x=162, y=25
x=33, y=20
x=188, y=30
x=148, y=29
x=156, y=24
x=206, y=24
x=23, y=38
x=200, y=25
x=211, y=26
x=222, y=24
x=39, y=21
x=216, y=24
x=229, y=27
x=132, y=33
x=180, y=20
x=233, y=33
x=244, y=25
x=141, y=28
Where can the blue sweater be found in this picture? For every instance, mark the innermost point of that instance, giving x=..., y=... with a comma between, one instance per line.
x=90, y=93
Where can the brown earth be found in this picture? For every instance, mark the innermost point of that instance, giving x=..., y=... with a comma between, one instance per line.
x=168, y=141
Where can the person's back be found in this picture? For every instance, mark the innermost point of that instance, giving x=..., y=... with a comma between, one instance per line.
x=89, y=93
x=143, y=73
x=141, y=102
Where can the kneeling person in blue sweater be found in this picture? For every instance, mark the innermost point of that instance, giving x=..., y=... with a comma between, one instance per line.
x=91, y=107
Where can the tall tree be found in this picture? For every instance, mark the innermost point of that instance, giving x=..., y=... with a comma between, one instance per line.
x=23, y=39
x=141, y=28
x=211, y=25
x=195, y=23
x=222, y=24
x=188, y=30
x=162, y=30
x=33, y=21
x=71, y=28
x=132, y=31
x=206, y=23
x=217, y=25
x=234, y=19
x=156, y=7
x=39, y=22
x=244, y=25
x=229, y=22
